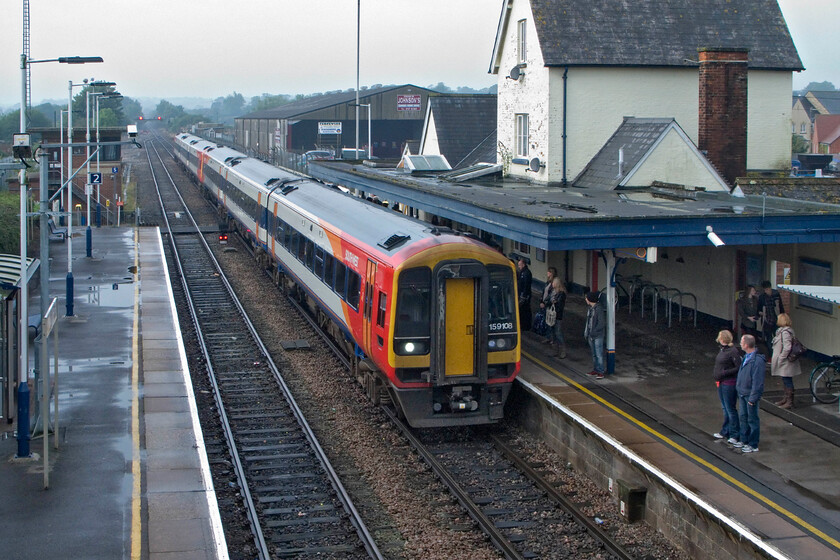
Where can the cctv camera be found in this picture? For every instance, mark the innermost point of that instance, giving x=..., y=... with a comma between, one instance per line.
x=713, y=237
x=132, y=130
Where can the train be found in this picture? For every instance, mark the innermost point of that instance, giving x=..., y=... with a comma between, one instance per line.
x=427, y=316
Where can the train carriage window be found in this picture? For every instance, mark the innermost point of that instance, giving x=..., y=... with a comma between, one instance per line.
x=301, y=248
x=279, y=230
x=293, y=242
x=287, y=241
x=329, y=269
x=340, y=279
x=380, y=313
x=414, y=303
x=309, y=255
x=354, y=286
x=319, y=262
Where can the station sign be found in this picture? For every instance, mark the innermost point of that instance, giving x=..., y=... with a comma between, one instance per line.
x=95, y=178
x=115, y=170
x=408, y=103
x=329, y=128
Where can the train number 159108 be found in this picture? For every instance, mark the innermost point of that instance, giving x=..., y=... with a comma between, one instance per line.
x=496, y=327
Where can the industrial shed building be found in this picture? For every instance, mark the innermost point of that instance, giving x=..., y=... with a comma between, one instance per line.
x=329, y=122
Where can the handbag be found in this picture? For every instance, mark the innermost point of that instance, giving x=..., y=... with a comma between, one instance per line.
x=796, y=349
x=539, y=326
x=550, y=316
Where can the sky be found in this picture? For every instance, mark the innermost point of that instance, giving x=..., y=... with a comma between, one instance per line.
x=211, y=48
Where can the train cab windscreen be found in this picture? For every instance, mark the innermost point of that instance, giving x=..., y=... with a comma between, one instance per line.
x=412, y=332
x=501, y=309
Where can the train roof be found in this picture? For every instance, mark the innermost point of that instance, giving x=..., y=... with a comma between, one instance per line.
x=381, y=229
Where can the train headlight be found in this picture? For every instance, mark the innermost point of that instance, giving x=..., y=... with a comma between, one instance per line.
x=501, y=343
x=411, y=347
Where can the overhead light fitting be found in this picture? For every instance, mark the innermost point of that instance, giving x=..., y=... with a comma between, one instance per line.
x=713, y=237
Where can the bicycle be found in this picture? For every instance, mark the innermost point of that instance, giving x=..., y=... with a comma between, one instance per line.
x=825, y=381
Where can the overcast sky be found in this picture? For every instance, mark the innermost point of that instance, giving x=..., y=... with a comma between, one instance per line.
x=210, y=48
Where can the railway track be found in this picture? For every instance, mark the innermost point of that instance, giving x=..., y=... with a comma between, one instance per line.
x=295, y=502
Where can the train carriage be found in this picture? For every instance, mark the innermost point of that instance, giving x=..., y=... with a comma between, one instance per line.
x=404, y=298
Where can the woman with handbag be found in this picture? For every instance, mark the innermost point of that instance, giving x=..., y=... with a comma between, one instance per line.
x=782, y=364
x=554, y=316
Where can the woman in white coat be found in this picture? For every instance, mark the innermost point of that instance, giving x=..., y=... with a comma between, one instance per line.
x=782, y=366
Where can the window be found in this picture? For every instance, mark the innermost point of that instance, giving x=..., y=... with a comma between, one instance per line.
x=817, y=273
x=522, y=135
x=329, y=269
x=319, y=262
x=340, y=275
x=380, y=313
x=802, y=128
x=412, y=329
x=523, y=248
x=354, y=286
x=521, y=45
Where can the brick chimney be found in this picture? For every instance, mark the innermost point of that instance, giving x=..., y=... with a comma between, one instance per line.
x=723, y=110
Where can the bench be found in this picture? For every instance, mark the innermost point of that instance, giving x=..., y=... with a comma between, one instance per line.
x=55, y=231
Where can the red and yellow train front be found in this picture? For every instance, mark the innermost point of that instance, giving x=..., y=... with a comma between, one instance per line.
x=454, y=335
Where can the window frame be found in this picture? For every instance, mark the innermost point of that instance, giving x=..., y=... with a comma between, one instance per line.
x=521, y=134
x=522, y=41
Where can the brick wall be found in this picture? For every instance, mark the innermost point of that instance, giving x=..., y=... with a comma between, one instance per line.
x=723, y=110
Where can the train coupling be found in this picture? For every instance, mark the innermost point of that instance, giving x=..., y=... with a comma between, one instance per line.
x=461, y=399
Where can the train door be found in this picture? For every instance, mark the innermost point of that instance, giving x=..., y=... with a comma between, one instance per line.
x=460, y=326
x=367, y=326
x=461, y=289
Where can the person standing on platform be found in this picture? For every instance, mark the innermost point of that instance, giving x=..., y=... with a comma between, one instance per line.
x=727, y=364
x=524, y=295
x=595, y=332
x=781, y=365
x=545, y=302
x=557, y=301
x=748, y=311
x=770, y=306
x=750, y=386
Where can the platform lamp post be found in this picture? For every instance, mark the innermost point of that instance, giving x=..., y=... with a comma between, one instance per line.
x=109, y=95
x=23, y=328
x=70, y=296
x=88, y=186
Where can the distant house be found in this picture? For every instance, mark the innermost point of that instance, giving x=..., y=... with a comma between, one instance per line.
x=570, y=71
x=456, y=125
x=802, y=117
x=826, y=138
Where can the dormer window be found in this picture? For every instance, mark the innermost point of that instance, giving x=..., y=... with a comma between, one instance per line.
x=521, y=45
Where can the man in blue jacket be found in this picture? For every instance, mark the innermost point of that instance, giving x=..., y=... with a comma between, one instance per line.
x=750, y=386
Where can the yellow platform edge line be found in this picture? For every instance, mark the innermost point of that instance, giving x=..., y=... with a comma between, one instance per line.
x=136, y=520
x=674, y=445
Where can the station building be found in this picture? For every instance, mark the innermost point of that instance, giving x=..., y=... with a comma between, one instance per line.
x=674, y=141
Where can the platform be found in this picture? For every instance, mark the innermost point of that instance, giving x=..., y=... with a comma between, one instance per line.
x=785, y=497
x=130, y=477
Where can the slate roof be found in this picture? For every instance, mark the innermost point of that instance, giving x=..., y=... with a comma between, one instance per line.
x=828, y=99
x=637, y=137
x=485, y=152
x=661, y=32
x=318, y=102
x=462, y=122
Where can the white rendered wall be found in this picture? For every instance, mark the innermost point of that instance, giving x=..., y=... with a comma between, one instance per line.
x=768, y=125
x=675, y=162
x=431, y=144
x=528, y=95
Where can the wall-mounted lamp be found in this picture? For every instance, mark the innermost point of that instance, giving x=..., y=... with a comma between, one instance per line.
x=713, y=237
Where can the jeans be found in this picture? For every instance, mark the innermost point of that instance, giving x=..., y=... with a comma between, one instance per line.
x=750, y=428
x=729, y=402
x=597, y=347
x=555, y=333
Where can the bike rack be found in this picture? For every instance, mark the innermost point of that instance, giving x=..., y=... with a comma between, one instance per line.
x=635, y=283
x=676, y=294
x=692, y=296
x=654, y=295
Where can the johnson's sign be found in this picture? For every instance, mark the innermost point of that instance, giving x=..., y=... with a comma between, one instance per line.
x=408, y=103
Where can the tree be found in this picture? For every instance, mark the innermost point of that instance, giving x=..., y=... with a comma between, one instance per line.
x=819, y=86
x=799, y=145
x=107, y=117
x=9, y=224
x=80, y=106
x=131, y=110
x=10, y=123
